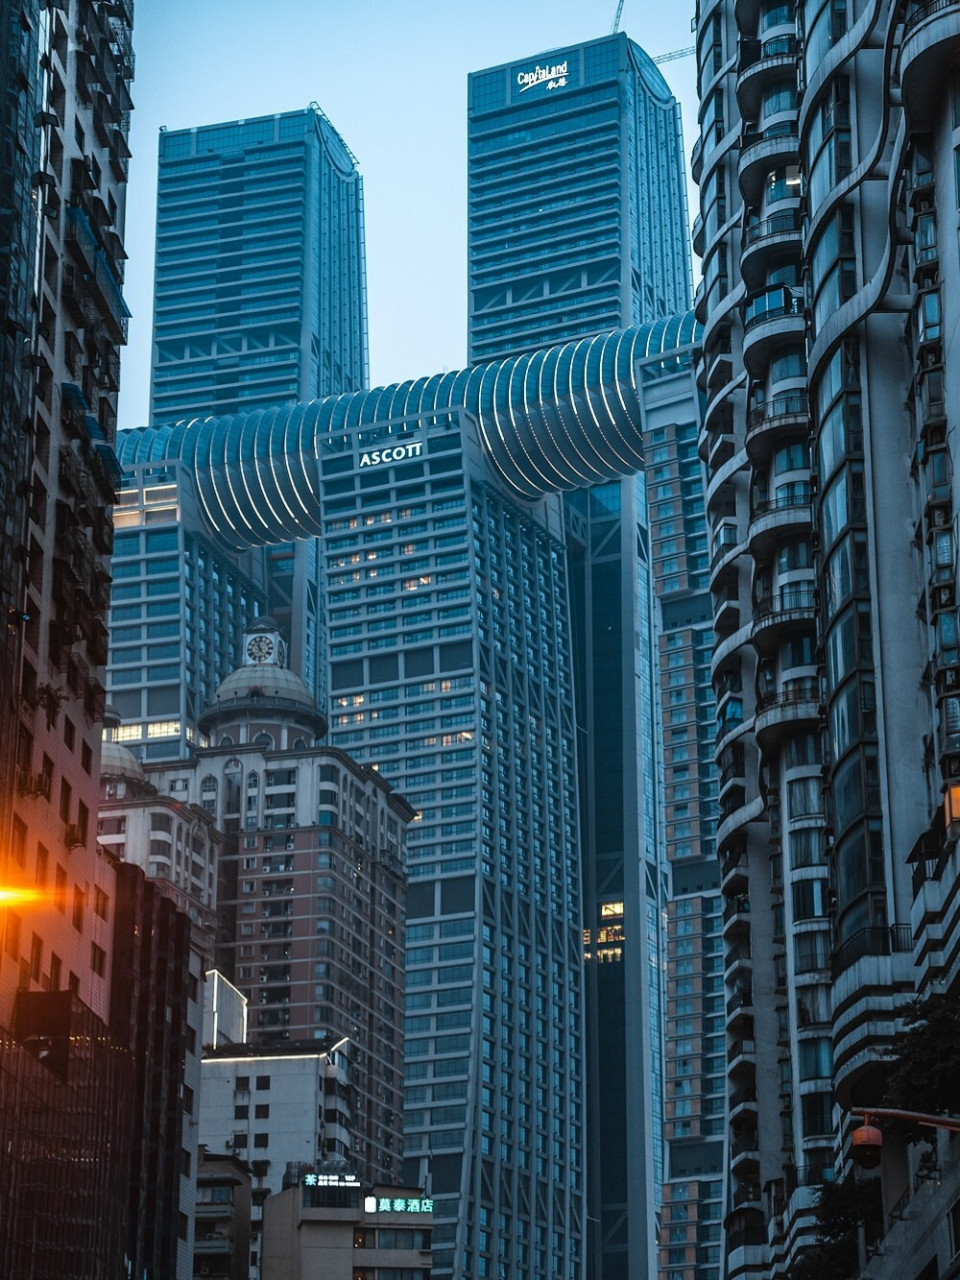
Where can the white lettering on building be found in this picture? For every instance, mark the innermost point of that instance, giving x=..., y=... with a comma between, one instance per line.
x=397, y=453
x=554, y=77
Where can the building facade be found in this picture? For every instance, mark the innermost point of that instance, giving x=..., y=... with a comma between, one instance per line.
x=260, y=286
x=826, y=164
x=452, y=671
x=577, y=223
x=332, y=1225
x=66, y=1080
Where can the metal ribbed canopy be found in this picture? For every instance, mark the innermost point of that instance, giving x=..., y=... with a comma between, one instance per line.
x=551, y=421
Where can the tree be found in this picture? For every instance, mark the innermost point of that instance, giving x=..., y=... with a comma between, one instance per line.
x=842, y=1208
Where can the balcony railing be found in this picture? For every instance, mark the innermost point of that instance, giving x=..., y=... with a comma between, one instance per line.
x=875, y=940
x=803, y=689
x=923, y=11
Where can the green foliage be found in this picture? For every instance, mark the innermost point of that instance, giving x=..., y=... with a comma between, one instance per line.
x=925, y=1074
x=842, y=1207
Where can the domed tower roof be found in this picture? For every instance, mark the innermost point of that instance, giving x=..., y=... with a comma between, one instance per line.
x=117, y=762
x=263, y=684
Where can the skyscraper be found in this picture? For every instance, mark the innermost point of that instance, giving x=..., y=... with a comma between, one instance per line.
x=260, y=288
x=259, y=300
x=452, y=670
x=831, y=288
x=578, y=222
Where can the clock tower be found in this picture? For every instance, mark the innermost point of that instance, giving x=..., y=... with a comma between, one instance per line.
x=263, y=645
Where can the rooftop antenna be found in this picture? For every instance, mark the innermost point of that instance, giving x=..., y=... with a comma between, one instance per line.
x=616, y=21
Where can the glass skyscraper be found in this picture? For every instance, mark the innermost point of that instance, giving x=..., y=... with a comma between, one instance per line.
x=452, y=670
x=260, y=300
x=578, y=222
x=260, y=289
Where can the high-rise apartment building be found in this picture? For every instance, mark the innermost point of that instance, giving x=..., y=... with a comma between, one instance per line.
x=452, y=671
x=827, y=164
x=64, y=119
x=578, y=222
x=260, y=287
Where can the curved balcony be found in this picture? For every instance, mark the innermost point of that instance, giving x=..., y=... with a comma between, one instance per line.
x=736, y=917
x=760, y=152
x=727, y=646
x=739, y=964
x=730, y=829
x=928, y=59
x=718, y=412
x=774, y=615
x=734, y=874
x=697, y=235
x=768, y=318
x=740, y=1010
x=742, y=1101
x=766, y=238
x=874, y=975
x=744, y=1155
x=726, y=610
x=782, y=515
x=780, y=714
x=769, y=422
x=758, y=61
x=742, y=1057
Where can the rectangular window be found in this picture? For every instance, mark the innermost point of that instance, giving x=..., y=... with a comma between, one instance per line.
x=98, y=960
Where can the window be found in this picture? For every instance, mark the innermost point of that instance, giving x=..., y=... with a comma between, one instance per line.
x=263, y=1082
x=98, y=960
x=261, y=1140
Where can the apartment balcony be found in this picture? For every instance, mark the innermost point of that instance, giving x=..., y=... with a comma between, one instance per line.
x=768, y=238
x=784, y=515
x=769, y=423
x=773, y=148
x=781, y=714
x=731, y=827
x=770, y=318
x=742, y=1102
x=698, y=235
x=747, y=1194
x=873, y=977
x=775, y=615
x=734, y=873
x=742, y=1057
x=758, y=63
x=928, y=59
x=739, y=964
x=740, y=1011
x=745, y=1155
x=726, y=610
x=736, y=918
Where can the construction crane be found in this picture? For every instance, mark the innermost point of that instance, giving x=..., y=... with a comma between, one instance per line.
x=674, y=54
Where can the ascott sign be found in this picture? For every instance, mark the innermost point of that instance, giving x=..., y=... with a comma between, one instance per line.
x=393, y=453
x=554, y=77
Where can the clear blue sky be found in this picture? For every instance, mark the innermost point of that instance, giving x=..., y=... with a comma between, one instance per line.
x=391, y=75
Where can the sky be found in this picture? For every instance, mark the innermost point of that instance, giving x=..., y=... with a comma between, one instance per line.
x=392, y=76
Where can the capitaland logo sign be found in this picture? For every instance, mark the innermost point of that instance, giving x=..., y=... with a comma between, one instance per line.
x=393, y=453
x=554, y=77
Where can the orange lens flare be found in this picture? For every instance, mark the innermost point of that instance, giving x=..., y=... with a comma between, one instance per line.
x=10, y=896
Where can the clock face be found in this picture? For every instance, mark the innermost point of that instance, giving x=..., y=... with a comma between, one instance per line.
x=260, y=648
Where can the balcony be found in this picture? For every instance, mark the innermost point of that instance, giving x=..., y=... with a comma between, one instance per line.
x=787, y=513
x=768, y=318
x=877, y=940
x=780, y=714
x=742, y=1100
x=767, y=423
x=928, y=54
x=777, y=236
x=726, y=610
x=744, y=1154
x=758, y=61
x=734, y=873
x=742, y=1056
x=736, y=918
x=760, y=152
x=794, y=606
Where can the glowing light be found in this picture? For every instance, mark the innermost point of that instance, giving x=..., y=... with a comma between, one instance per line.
x=11, y=896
